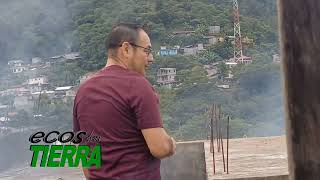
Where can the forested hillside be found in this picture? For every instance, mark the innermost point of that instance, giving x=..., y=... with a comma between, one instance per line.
x=254, y=101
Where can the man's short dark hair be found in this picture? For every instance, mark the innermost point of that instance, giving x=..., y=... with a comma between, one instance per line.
x=123, y=32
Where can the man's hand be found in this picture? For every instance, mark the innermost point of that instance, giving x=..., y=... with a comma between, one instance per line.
x=85, y=173
x=174, y=146
x=160, y=144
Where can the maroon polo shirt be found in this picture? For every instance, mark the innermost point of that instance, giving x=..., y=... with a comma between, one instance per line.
x=116, y=104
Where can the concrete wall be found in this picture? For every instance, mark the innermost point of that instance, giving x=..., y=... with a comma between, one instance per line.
x=187, y=164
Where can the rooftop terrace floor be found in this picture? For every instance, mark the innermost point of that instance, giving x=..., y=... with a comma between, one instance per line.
x=250, y=157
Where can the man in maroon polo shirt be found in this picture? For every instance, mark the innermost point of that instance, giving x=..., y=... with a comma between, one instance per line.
x=119, y=105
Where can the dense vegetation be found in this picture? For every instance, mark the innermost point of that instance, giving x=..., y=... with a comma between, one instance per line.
x=254, y=102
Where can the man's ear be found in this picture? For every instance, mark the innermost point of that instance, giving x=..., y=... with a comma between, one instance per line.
x=125, y=49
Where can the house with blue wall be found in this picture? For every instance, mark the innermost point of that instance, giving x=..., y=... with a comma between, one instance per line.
x=164, y=51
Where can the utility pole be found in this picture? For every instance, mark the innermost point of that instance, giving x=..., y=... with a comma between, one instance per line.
x=238, y=55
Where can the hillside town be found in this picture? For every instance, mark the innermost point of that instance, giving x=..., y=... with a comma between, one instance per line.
x=26, y=94
x=30, y=85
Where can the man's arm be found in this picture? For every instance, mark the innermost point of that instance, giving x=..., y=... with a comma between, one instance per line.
x=85, y=172
x=160, y=144
x=145, y=104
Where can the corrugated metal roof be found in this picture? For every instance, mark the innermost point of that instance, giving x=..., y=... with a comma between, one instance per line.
x=63, y=88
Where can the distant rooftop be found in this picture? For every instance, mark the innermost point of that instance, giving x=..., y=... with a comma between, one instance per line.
x=167, y=68
x=43, y=92
x=63, y=88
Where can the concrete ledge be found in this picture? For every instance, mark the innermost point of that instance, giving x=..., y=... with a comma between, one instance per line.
x=187, y=164
x=281, y=177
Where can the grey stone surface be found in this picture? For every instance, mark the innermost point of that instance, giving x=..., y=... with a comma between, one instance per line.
x=187, y=164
